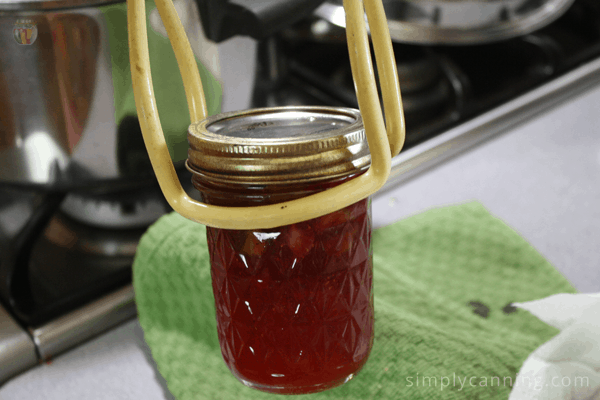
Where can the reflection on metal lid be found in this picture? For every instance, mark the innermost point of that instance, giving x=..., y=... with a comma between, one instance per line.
x=280, y=125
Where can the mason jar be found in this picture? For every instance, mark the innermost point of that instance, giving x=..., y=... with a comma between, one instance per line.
x=294, y=304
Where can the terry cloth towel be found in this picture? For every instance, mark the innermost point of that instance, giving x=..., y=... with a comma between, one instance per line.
x=443, y=282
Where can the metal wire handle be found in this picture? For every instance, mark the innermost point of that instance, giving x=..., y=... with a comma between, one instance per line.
x=383, y=144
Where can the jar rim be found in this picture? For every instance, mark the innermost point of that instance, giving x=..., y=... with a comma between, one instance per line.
x=275, y=144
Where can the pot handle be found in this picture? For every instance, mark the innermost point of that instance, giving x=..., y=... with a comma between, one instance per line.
x=259, y=19
x=381, y=145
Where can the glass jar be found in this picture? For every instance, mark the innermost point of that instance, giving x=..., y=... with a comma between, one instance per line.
x=294, y=304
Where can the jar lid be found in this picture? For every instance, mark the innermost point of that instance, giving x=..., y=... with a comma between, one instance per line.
x=279, y=144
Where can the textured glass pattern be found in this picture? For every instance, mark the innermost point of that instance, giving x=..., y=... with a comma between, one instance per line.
x=294, y=305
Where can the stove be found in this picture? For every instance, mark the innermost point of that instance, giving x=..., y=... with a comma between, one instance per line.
x=455, y=96
x=442, y=86
x=65, y=264
x=74, y=249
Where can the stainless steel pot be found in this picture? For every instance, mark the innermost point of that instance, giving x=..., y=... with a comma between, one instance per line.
x=458, y=21
x=60, y=125
x=55, y=86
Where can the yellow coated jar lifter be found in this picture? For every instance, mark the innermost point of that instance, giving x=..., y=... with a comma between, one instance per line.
x=381, y=145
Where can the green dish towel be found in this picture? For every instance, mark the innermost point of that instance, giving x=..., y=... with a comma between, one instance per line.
x=443, y=280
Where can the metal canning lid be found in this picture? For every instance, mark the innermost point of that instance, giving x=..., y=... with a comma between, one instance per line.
x=278, y=145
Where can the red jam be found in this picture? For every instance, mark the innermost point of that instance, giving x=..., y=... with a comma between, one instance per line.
x=294, y=304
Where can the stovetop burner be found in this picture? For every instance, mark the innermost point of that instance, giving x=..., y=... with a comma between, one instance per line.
x=73, y=263
x=116, y=211
x=430, y=88
x=51, y=263
x=62, y=250
x=442, y=86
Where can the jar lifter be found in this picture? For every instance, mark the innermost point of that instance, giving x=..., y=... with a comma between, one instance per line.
x=383, y=143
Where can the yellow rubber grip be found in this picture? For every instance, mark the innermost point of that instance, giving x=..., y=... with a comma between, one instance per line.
x=383, y=144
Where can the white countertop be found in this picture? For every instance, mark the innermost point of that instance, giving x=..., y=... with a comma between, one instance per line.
x=542, y=178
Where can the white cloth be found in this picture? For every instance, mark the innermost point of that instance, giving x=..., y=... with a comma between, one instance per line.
x=568, y=366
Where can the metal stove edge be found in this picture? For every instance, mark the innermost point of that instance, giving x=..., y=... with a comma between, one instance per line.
x=21, y=350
